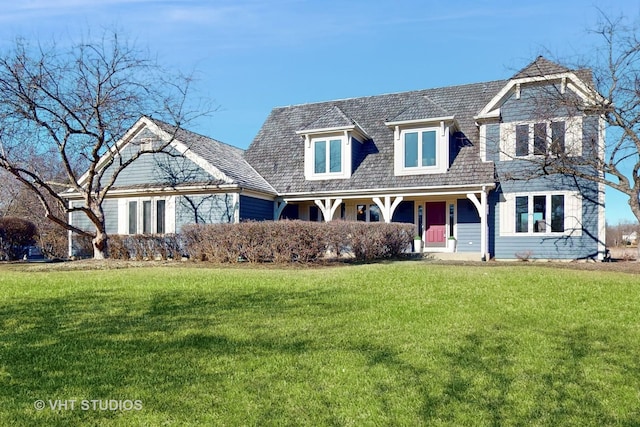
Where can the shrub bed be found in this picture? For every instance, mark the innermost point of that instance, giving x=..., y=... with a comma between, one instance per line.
x=269, y=241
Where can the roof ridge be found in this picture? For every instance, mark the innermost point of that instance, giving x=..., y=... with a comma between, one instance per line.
x=405, y=92
x=187, y=131
x=541, y=66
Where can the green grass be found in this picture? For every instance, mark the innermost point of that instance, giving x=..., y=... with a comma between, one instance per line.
x=405, y=343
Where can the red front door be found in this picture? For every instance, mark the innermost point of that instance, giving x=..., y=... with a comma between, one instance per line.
x=436, y=223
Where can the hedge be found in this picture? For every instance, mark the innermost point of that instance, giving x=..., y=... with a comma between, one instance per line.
x=268, y=241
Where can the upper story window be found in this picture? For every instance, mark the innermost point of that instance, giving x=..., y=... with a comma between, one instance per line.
x=554, y=137
x=327, y=155
x=421, y=147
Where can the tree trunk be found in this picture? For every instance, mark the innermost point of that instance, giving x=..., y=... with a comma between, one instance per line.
x=100, y=245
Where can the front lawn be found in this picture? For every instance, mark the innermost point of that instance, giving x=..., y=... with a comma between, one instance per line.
x=404, y=343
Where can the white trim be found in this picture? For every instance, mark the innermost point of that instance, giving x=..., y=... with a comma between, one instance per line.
x=387, y=208
x=169, y=214
x=441, y=133
x=572, y=81
x=345, y=156
x=419, y=121
x=483, y=142
x=572, y=214
x=381, y=192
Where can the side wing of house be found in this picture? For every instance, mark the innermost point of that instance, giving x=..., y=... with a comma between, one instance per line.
x=161, y=192
x=533, y=214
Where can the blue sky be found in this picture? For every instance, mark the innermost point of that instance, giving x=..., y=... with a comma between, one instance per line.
x=251, y=56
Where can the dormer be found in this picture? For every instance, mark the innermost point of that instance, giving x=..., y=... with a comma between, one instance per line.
x=328, y=145
x=421, y=139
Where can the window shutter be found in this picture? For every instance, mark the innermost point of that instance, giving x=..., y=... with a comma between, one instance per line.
x=573, y=136
x=170, y=214
x=573, y=214
x=123, y=222
x=507, y=141
x=507, y=215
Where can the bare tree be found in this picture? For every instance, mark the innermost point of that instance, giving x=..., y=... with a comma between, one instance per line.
x=70, y=105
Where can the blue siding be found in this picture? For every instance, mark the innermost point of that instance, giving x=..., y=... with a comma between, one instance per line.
x=158, y=168
x=110, y=207
x=468, y=232
x=252, y=208
x=404, y=213
x=548, y=247
x=204, y=209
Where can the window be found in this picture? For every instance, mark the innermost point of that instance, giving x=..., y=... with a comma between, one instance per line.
x=522, y=140
x=542, y=213
x=421, y=151
x=328, y=157
x=556, y=137
x=324, y=157
x=146, y=215
x=160, y=216
x=522, y=214
x=369, y=213
x=133, y=217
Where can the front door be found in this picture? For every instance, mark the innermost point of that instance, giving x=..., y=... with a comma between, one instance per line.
x=436, y=223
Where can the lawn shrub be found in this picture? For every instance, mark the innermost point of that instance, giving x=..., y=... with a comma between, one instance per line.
x=15, y=234
x=142, y=246
x=294, y=241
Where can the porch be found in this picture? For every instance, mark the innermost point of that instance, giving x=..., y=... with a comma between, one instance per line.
x=450, y=224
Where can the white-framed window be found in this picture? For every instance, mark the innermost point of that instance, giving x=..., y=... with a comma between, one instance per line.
x=146, y=215
x=527, y=139
x=328, y=156
x=556, y=213
x=421, y=150
x=368, y=213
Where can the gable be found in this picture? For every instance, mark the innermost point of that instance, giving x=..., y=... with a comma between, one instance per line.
x=540, y=72
x=188, y=160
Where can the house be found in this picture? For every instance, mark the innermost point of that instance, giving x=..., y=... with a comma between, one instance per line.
x=457, y=162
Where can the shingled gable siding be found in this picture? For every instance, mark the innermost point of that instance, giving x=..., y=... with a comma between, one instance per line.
x=252, y=208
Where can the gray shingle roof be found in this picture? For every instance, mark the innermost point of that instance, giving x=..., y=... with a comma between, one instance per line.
x=334, y=117
x=228, y=159
x=422, y=108
x=277, y=152
x=540, y=67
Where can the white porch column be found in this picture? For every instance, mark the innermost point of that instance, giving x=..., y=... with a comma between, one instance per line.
x=481, y=206
x=327, y=208
x=387, y=208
